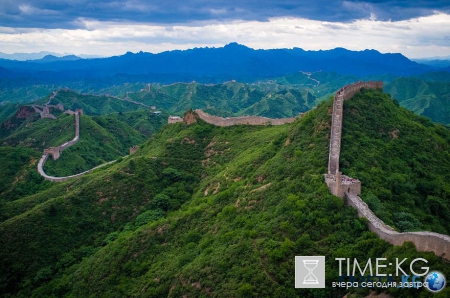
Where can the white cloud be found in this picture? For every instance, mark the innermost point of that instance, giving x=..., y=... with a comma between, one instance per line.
x=29, y=10
x=419, y=37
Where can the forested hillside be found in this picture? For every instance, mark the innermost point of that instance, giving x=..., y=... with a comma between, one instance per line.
x=402, y=161
x=24, y=136
x=231, y=98
x=203, y=211
x=427, y=95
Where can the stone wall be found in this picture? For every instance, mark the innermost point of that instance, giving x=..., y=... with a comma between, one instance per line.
x=344, y=186
x=424, y=241
x=62, y=179
x=133, y=149
x=342, y=94
x=250, y=120
x=340, y=184
x=56, y=151
x=44, y=111
x=174, y=119
x=53, y=151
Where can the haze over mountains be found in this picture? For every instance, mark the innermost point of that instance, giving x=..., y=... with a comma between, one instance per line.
x=40, y=55
x=233, y=61
x=317, y=73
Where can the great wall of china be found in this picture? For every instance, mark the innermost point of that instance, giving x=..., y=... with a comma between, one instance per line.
x=339, y=185
x=56, y=152
x=249, y=120
x=230, y=121
x=344, y=186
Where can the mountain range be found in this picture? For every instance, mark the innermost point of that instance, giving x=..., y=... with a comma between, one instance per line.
x=233, y=61
x=40, y=55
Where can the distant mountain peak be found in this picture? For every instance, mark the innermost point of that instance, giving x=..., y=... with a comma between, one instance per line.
x=235, y=45
x=52, y=58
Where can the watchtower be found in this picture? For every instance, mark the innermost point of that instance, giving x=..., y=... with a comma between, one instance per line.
x=53, y=151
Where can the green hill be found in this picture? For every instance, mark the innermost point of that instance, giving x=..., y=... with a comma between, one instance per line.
x=91, y=104
x=428, y=96
x=7, y=110
x=38, y=133
x=99, y=142
x=227, y=99
x=402, y=161
x=203, y=211
x=103, y=138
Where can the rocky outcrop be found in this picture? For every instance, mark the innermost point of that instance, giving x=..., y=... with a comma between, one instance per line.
x=189, y=118
x=25, y=112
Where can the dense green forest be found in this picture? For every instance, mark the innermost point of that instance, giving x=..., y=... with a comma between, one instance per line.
x=231, y=98
x=204, y=211
x=106, y=137
x=19, y=176
x=427, y=95
x=402, y=161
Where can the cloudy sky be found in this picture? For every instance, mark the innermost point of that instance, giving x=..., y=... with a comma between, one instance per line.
x=417, y=29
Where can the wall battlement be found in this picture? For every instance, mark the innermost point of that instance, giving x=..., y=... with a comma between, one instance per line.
x=174, y=119
x=344, y=186
x=249, y=120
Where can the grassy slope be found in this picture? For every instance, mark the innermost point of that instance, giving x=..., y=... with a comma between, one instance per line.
x=22, y=90
x=198, y=210
x=98, y=142
x=402, y=160
x=141, y=120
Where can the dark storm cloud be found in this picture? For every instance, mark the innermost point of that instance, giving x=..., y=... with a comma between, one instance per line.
x=67, y=13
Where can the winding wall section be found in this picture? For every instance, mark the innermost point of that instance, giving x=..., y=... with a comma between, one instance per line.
x=56, y=151
x=344, y=186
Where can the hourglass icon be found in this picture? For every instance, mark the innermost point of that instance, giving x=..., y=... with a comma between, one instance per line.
x=310, y=278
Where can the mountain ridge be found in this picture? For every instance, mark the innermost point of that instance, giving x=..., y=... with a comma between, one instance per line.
x=231, y=60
